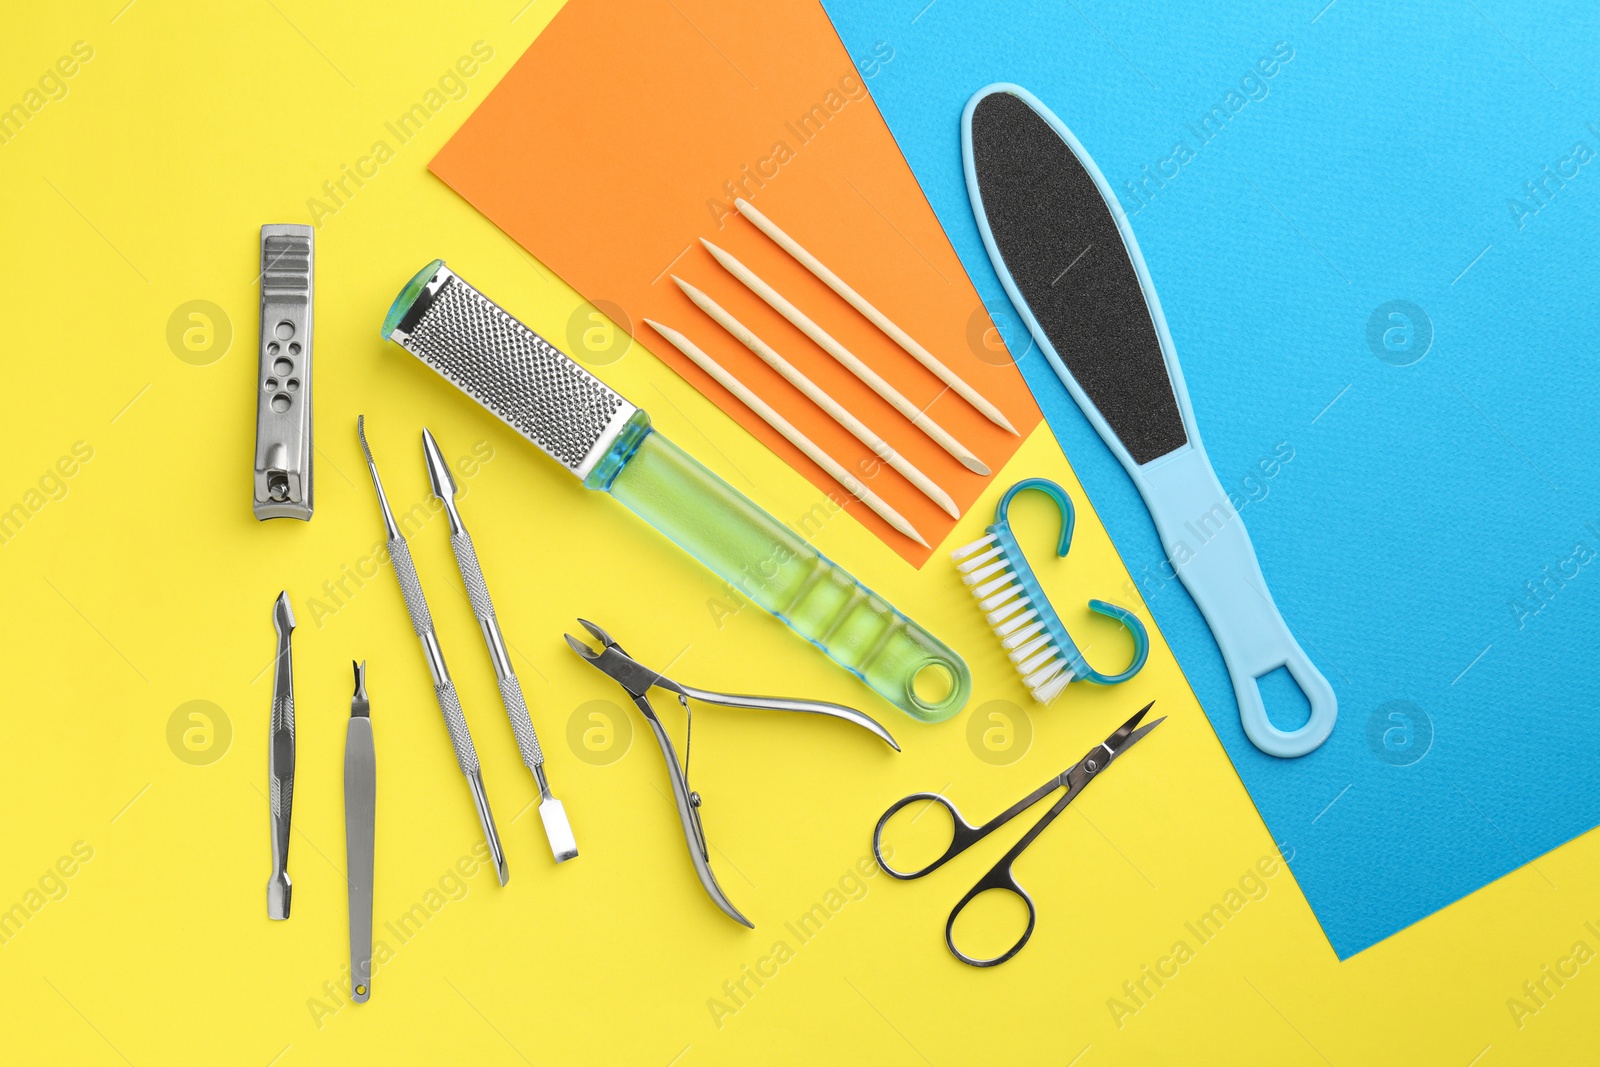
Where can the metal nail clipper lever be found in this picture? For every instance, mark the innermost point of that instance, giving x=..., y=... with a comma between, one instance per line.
x=638, y=680
x=444, y=689
x=360, y=825
x=283, y=387
x=280, y=760
x=551, y=811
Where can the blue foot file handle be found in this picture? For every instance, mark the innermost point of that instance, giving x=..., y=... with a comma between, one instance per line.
x=1042, y=205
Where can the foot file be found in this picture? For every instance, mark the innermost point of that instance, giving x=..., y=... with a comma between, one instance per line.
x=609, y=444
x=1067, y=257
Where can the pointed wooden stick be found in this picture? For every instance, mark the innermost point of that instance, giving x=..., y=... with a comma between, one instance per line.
x=832, y=466
x=880, y=448
x=877, y=318
x=825, y=341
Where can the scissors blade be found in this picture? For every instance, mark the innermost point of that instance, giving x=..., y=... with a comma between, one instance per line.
x=1126, y=736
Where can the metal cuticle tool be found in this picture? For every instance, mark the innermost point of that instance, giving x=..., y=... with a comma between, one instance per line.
x=638, y=680
x=554, y=815
x=360, y=825
x=280, y=760
x=444, y=689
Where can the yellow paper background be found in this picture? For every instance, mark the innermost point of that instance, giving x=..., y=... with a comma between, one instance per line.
x=145, y=583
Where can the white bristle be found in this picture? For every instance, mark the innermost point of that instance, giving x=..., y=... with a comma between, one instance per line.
x=1044, y=694
x=1039, y=677
x=1006, y=628
x=1027, y=667
x=1029, y=649
x=1000, y=567
x=967, y=550
x=1001, y=582
x=999, y=598
x=1025, y=634
x=978, y=561
x=994, y=617
x=1010, y=612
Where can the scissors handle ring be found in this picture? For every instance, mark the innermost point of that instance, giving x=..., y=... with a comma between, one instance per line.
x=1001, y=878
x=962, y=834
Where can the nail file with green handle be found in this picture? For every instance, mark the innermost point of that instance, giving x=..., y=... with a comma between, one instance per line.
x=1067, y=257
x=606, y=442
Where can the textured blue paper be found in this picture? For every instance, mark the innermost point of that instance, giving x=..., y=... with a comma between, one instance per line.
x=1434, y=542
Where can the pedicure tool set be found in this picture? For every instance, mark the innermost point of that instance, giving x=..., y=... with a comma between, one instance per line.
x=1034, y=192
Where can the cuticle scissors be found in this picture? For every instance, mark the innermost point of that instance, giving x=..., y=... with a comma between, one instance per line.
x=964, y=835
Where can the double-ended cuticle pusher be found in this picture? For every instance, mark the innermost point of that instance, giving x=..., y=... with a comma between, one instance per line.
x=444, y=689
x=280, y=760
x=551, y=811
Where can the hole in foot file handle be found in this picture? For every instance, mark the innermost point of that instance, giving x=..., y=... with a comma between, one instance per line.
x=775, y=568
x=1208, y=546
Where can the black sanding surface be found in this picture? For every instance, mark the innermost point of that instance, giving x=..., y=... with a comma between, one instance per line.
x=1062, y=247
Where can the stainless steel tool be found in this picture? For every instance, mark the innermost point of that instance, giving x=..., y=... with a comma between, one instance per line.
x=556, y=827
x=444, y=689
x=283, y=387
x=638, y=680
x=963, y=835
x=360, y=818
x=280, y=760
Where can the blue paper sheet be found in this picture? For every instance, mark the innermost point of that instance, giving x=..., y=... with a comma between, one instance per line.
x=1373, y=232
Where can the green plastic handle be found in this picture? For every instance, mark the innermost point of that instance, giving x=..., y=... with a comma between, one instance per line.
x=772, y=566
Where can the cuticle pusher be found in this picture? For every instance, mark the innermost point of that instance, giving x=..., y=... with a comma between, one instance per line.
x=360, y=825
x=444, y=689
x=280, y=760
x=551, y=811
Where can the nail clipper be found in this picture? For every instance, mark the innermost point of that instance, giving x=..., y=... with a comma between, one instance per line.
x=638, y=680
x=282, y=483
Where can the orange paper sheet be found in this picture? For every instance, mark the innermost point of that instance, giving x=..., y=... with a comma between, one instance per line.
x=622, y=137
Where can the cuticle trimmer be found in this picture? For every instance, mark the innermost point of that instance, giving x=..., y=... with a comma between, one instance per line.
x=551, y=811
x=405, y=572
x=609, y=444
x=638, y=680
x=1065, y=252
x=280, y=760
x=360, y=828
